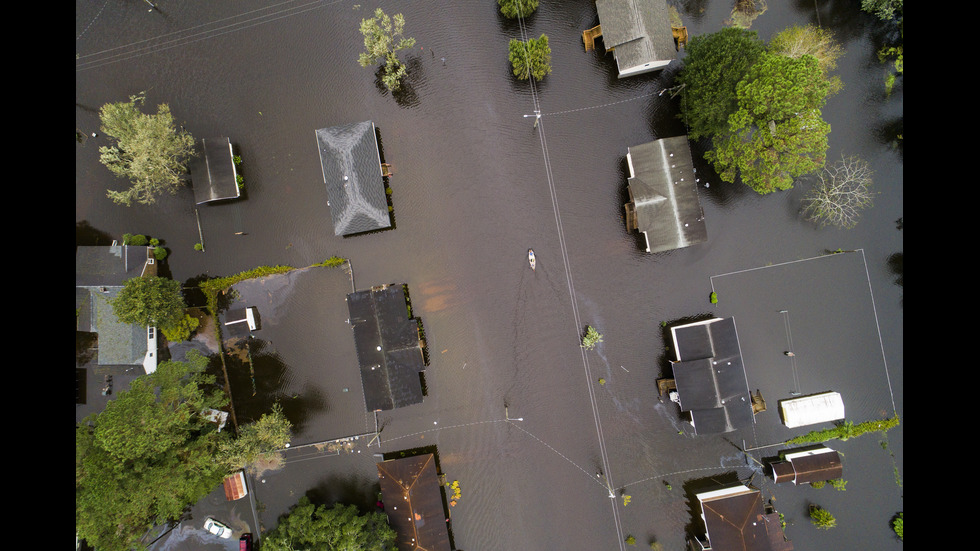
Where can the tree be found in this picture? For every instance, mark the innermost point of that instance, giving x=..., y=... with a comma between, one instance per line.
x=517, y=8
x=885, y=9
x=591, y=338
x=263, y=439
x=798, y=41
x=147, y=456
x=382, y=40
x=338, y=528
x=182, y=330
x=777, y=133
x=531, y=58
x=152, y=300
x=821, y=518
x=149, y=150
x=842, y=191
x=713, y=66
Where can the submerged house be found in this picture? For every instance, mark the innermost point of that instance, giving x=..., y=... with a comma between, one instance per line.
x=214, y=172
x=389, y=347
x=100, y=273
x=709, y=376
x=663, y=196
x=737, y=518
x=413, y=502
x=637, y=32
x=807, y=466
x=810, y=410
x=354, y=176
x=240, y=322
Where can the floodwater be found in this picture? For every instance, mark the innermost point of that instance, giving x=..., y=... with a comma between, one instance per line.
x=475, y=186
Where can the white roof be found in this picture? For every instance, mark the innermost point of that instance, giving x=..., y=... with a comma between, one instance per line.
x=808, y=410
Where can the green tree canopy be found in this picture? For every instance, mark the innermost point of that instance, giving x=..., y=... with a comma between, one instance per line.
x=382, y=40
x=337, y=528
x=798, y=41
x=531, y=58
x=150, y=300
x=261, y=439
x=517, y=8
x=713, y=66
x=149, y=150
x=777, y=132
x=149, y=455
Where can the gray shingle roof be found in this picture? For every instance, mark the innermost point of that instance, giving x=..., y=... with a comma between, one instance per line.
x=351, y=166
x=638, y=32
x=665, y=195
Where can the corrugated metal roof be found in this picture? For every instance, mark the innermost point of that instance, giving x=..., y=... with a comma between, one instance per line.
x=213, y=172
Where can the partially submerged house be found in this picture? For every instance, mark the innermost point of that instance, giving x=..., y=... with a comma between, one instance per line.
x=240, y=322
x=709, y=376
x=738, y=518
x=807, y=466
x=389, y=347
x=413, y=502
x=663, y=196
x=354, y=176
x=810, y=410
x=637, y=32
x=215, y=175
x=100, y=273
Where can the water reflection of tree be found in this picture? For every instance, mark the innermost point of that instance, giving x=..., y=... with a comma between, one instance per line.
x=405, y=96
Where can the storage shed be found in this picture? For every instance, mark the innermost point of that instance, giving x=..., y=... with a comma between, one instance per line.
x=813, y=409
x=352, y=171
x=214, y=174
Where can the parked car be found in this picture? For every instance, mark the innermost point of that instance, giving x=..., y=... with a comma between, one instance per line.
x=245, y=542
x=217, y=528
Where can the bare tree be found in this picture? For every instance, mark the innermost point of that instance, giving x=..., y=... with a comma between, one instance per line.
x=841, y=192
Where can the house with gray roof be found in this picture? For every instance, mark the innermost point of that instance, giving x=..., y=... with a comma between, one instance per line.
x=214, y=174
x=352, y=171
x=100, y=273
x=663, y=196
x=638, y=33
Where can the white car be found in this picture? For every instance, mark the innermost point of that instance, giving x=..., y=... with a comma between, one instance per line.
x=217, y=528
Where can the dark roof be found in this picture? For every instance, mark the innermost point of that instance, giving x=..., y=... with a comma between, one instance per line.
x=664, y=194
x=388, y=347
x=214, y=172
x=808, y=466
x=738, y=520
x=413, y=502
x=351, y=164
x=109, y=265
x=710, y=377
x=639, y=30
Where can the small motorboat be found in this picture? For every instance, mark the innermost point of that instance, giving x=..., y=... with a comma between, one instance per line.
x=530, y=258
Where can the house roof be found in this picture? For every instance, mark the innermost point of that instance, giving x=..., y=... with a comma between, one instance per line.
x=735, y=518
x=388, y=347
x=638, y=32
x=215, y=172
x=119, y=343
x=351, y=164
x=710, y=376
x=413, y=502
x=812, y=409
x=808, y=466
x=664, y=194
x=108, y=265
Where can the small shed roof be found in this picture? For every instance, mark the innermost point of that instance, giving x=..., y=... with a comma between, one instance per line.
x=351, y=164
x=710, y=376
x=235, y=486
x=214, y=173
x=664, y=194
x=388, y=348
x=413, y=502
x=813, y=409
x=639, y=34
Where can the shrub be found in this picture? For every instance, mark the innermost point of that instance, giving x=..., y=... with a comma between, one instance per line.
x=198, y=247
x=135, y=240
x=713, y=298
x=821, y=518
x=630, y=540
x=591, y=338
x=159, y=253
x=898, y=525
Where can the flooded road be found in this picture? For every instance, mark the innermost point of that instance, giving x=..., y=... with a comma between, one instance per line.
x=475, y=186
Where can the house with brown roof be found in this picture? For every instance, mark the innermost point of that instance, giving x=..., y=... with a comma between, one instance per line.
x=738, y=518
x=413, y=502
x=807, y=466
